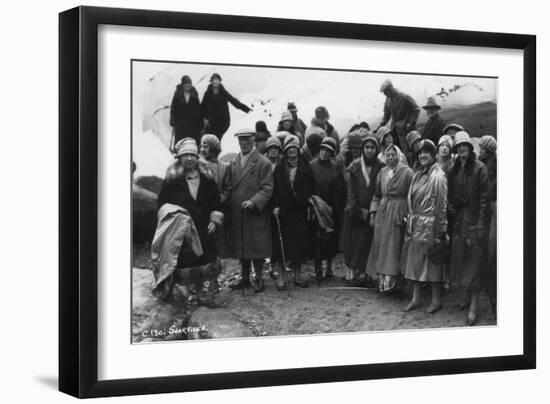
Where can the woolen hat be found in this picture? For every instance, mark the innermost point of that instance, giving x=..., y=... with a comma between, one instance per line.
x=412, y=137
x=386, y=84
x=186, y=146
x=428, y=145
x=445, y=139
x=431, y=104
x=291, y=141
x=273, y=141
x=285, y=116
x=321, y=113
x=213, y=142
x=461, y=138
x=292, y=107
x=186, y=80
x=454, y=126
x=489, y=143
x=329, y=144
x=245, y=132
x=215, y=76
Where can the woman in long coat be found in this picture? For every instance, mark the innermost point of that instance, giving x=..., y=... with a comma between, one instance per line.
x=293, y=186
x=215, y=106
x=362, y=174
x=426, y=227
x=388, y=212
x=330, y=186
x=470, y=208
x=186, y=112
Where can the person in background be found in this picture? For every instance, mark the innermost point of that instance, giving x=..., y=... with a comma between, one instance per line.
x=413, y=140
x=426, y=227
x=469, y=205
x=350, y=148
x=451, y=129
x=362, y=174
x=403, y=112
x=321, y=120
x=293, y=187
x=330, y=186
x=186, y=112
x=249, y=216
x=434, y=126
x=273, y=150
x=262, y=134
x=286, y=123
x=385, y=138
x=444, y=157
x=488, y=156
x=187, y=187
x=314, y=137
x=298, y=123
x=216, y=109
x=388, y=210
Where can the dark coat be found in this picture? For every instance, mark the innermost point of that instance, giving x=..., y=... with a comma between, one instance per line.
x=403, y=110
x=470, y=210
x=293, y=203
x=250, y=231
x=330, y=185
x=433, y=129
x=186, y=117
x=175, y=191
x=357, y=231
x=216, y=109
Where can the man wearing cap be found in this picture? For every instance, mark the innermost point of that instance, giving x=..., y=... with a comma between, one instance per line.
x=434, y=126
x=215, y=106
x=469, y=209
x=186, y=112
x=321, y=120
x=330, y=186
x=402, y=110
x=249, y=216
x=298, y=123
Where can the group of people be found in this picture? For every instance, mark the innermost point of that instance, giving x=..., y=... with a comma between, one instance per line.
x=399, y=203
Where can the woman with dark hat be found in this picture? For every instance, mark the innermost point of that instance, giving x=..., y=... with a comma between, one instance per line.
x=293, y=186
x=434, y=126
x=186, y=112
x=362, y=174
x=469, y=206
x=262, y=134
x=215, y=106
x=388, y=210
x=330, y=186
x=426, y=228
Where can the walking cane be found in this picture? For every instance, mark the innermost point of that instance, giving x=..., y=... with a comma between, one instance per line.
x=242, y=249
x=283, y=253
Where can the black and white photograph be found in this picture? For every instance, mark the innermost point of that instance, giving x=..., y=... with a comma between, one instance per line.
x=275, y=201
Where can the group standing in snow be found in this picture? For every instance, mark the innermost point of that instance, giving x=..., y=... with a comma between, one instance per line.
x=400, y=204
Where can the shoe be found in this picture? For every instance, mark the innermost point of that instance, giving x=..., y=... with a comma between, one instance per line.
x=412, y=306
x=472, y=318
x=240, y=285
x=259, y=286
x=301, y=284
x=432, y=309
x=281, y=287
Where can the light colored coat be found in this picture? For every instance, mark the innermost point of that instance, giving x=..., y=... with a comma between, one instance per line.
x=250, y=231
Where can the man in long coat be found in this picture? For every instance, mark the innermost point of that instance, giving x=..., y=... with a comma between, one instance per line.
x=249, y=216
x=434, y=126
x=402, y=109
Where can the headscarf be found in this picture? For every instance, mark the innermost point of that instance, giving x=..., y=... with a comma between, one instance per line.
x=400, y=155
x=370, y=161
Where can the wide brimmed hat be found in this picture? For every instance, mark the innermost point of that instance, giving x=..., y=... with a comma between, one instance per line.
x=329, y=144
x=463, y=137
x=454, y=126
x=489, y=143
x=431, y=104
x=412, y=137
x=291, y=141
x=285, y=116
x=245, y=132
x=292, y=107
x=428, y=145
x=186, y=146
x=274, y=142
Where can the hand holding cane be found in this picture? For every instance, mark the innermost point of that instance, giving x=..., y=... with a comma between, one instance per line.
x=282, y=252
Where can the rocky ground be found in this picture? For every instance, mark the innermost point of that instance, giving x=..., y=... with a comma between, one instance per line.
x=330, y=308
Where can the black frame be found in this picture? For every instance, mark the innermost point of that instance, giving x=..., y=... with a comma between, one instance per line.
x=78, y=179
